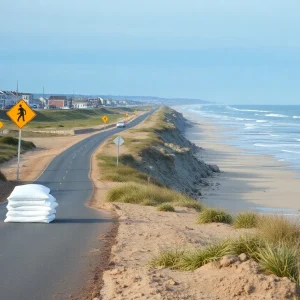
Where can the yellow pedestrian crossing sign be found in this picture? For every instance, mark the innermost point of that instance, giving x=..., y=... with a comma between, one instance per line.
x=21, y=114
x=1, y=125
x=104, y=119
x=127, y=115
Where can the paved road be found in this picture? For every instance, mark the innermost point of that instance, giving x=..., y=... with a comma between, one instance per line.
x=38, y=259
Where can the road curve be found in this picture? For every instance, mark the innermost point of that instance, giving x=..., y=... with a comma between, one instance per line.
x=51, y=261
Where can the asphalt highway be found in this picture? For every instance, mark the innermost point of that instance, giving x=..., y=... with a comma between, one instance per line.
x=52, y=261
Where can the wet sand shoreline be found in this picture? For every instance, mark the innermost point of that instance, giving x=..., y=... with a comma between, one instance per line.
x=247, y=181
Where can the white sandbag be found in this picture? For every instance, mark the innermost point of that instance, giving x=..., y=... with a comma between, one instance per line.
x=29, y=191
x=43, y=208
x=31, y=213
x=43, y=203
x=30, y=219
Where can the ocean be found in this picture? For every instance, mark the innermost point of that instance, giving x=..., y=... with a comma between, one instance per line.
x=259, y=129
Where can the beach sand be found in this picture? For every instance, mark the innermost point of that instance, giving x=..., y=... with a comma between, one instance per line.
x=247, y=181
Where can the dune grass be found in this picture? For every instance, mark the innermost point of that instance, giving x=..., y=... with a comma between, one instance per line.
x=9, y=147
x=281, y=260
x=245, y=220
x=212, y=215
x=276, y=251
x=277, y=229
x=166, y=207
x=148, y=194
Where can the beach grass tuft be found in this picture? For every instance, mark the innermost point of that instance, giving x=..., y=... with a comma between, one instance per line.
x=192, y=260
x=166, y=207
x=212, y=215
x=168, y=259
x=278, y=229
x=281, y=260
x=245, y=220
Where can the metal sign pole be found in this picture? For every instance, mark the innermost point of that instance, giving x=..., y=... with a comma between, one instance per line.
x=19, y=152
x=118, y=153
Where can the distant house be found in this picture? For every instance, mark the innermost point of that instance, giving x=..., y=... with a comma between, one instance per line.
x=57, y=101
x=27, y=97
x=80, y=104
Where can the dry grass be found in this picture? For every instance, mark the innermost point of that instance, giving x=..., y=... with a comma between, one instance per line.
x=245, y=220
x=166, y=207
x=277, y=229
x=148, y=194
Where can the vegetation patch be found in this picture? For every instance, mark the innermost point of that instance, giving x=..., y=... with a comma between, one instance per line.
x=278, y=229
x=245, y=220
x=9, y=147
x=280, y=260
x=148, y=194
x=166, y=207
x=212, y=215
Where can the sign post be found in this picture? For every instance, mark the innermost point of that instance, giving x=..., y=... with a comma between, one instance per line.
x=119, y=142
x=21, y=114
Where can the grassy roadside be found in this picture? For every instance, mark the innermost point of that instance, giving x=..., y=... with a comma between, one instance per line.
x=140, y=187
x=70, y=118
x=9, y=148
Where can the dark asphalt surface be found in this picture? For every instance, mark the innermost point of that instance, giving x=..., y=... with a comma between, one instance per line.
x=51, y=261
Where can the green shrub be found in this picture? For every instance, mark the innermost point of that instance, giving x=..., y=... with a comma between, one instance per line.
x=211, y=215
x=245, y=220
x=281, y=260
x=277, y=229
x=166, y=207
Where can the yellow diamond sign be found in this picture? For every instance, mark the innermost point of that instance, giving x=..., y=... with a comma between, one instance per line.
x=1, y=125
x=104, y=119
x=127, y=115
x=21, y=114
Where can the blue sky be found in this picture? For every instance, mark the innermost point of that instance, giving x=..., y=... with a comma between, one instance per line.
x=233, y=51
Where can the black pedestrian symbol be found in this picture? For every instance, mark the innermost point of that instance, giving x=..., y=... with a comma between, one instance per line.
x=21, y=113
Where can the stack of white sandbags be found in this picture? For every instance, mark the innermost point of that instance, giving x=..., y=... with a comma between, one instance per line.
x=31, y=203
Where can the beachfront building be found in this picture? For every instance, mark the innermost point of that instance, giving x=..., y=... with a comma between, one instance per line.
x=57, y=101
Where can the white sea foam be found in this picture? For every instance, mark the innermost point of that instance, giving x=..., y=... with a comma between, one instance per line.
x=276, y=115
x=290, y=151
x=296, y=117
x=276, y=145
x=251, y=110
x=261, y=121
